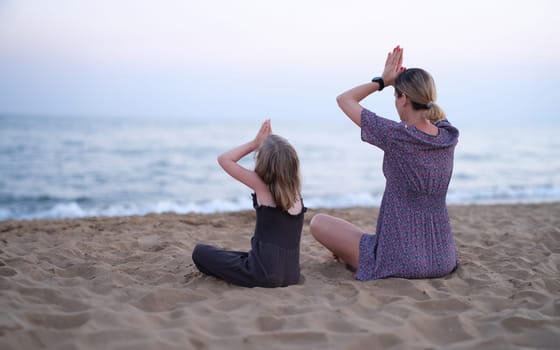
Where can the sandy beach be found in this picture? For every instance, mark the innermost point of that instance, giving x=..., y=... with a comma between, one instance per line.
x=129, y=283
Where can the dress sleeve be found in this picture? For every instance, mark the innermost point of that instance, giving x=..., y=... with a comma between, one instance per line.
x=376, y=130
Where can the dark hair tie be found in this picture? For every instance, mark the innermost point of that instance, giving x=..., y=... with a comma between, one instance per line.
x=417, y=105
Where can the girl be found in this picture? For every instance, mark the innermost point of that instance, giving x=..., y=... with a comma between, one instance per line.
x=273, y=260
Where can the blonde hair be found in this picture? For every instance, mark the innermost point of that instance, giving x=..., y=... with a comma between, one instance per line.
x=277, y=164
x=420, y=88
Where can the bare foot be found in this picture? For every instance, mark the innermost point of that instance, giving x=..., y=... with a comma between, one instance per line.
x=338, y=259
x=348, y=266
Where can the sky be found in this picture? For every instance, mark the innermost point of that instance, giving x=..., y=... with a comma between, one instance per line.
x=493, y=61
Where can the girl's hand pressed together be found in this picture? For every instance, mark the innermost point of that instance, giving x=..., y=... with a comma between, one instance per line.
x=229, y=159
x=264, y=131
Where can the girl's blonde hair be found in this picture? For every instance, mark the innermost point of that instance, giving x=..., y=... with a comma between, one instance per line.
x=420, y=88
x=277, y=164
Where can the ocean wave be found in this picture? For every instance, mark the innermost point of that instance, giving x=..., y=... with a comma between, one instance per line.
x=80, y=209
x=506, y=194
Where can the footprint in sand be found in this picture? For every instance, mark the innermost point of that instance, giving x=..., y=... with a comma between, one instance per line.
x=58, y=321
x=7, y=271
x=166, y=299
x=270, y=323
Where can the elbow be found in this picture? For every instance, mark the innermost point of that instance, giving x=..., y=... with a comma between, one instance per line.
x=344, y=102
x=350, y=107
x=221, y=160
x=340, y=100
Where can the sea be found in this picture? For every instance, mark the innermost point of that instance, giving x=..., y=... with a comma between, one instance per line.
x=73, y=167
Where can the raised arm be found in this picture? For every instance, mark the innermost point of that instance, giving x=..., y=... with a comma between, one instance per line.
x=228, y=160
x=349, y=101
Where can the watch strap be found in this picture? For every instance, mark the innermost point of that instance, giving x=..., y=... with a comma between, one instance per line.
x=379, y=81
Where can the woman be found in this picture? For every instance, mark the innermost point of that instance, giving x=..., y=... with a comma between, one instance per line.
x=413, y=237
x=273, y=260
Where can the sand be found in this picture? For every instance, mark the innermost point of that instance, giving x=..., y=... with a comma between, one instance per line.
x=129, y=283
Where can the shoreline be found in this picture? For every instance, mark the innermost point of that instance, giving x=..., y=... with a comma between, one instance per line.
x=129, y=282
x=80, y=213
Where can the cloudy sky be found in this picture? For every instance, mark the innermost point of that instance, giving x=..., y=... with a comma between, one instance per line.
x=495, y=61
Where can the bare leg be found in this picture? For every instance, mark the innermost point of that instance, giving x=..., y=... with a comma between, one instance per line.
x=339, y=236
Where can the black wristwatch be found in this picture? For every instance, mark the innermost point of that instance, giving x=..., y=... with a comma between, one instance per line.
x=379, y=81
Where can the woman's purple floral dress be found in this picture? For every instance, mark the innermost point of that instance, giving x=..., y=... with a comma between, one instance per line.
x=413, y=237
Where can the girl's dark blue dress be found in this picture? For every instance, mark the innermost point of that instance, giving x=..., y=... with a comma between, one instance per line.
x=273, y=260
